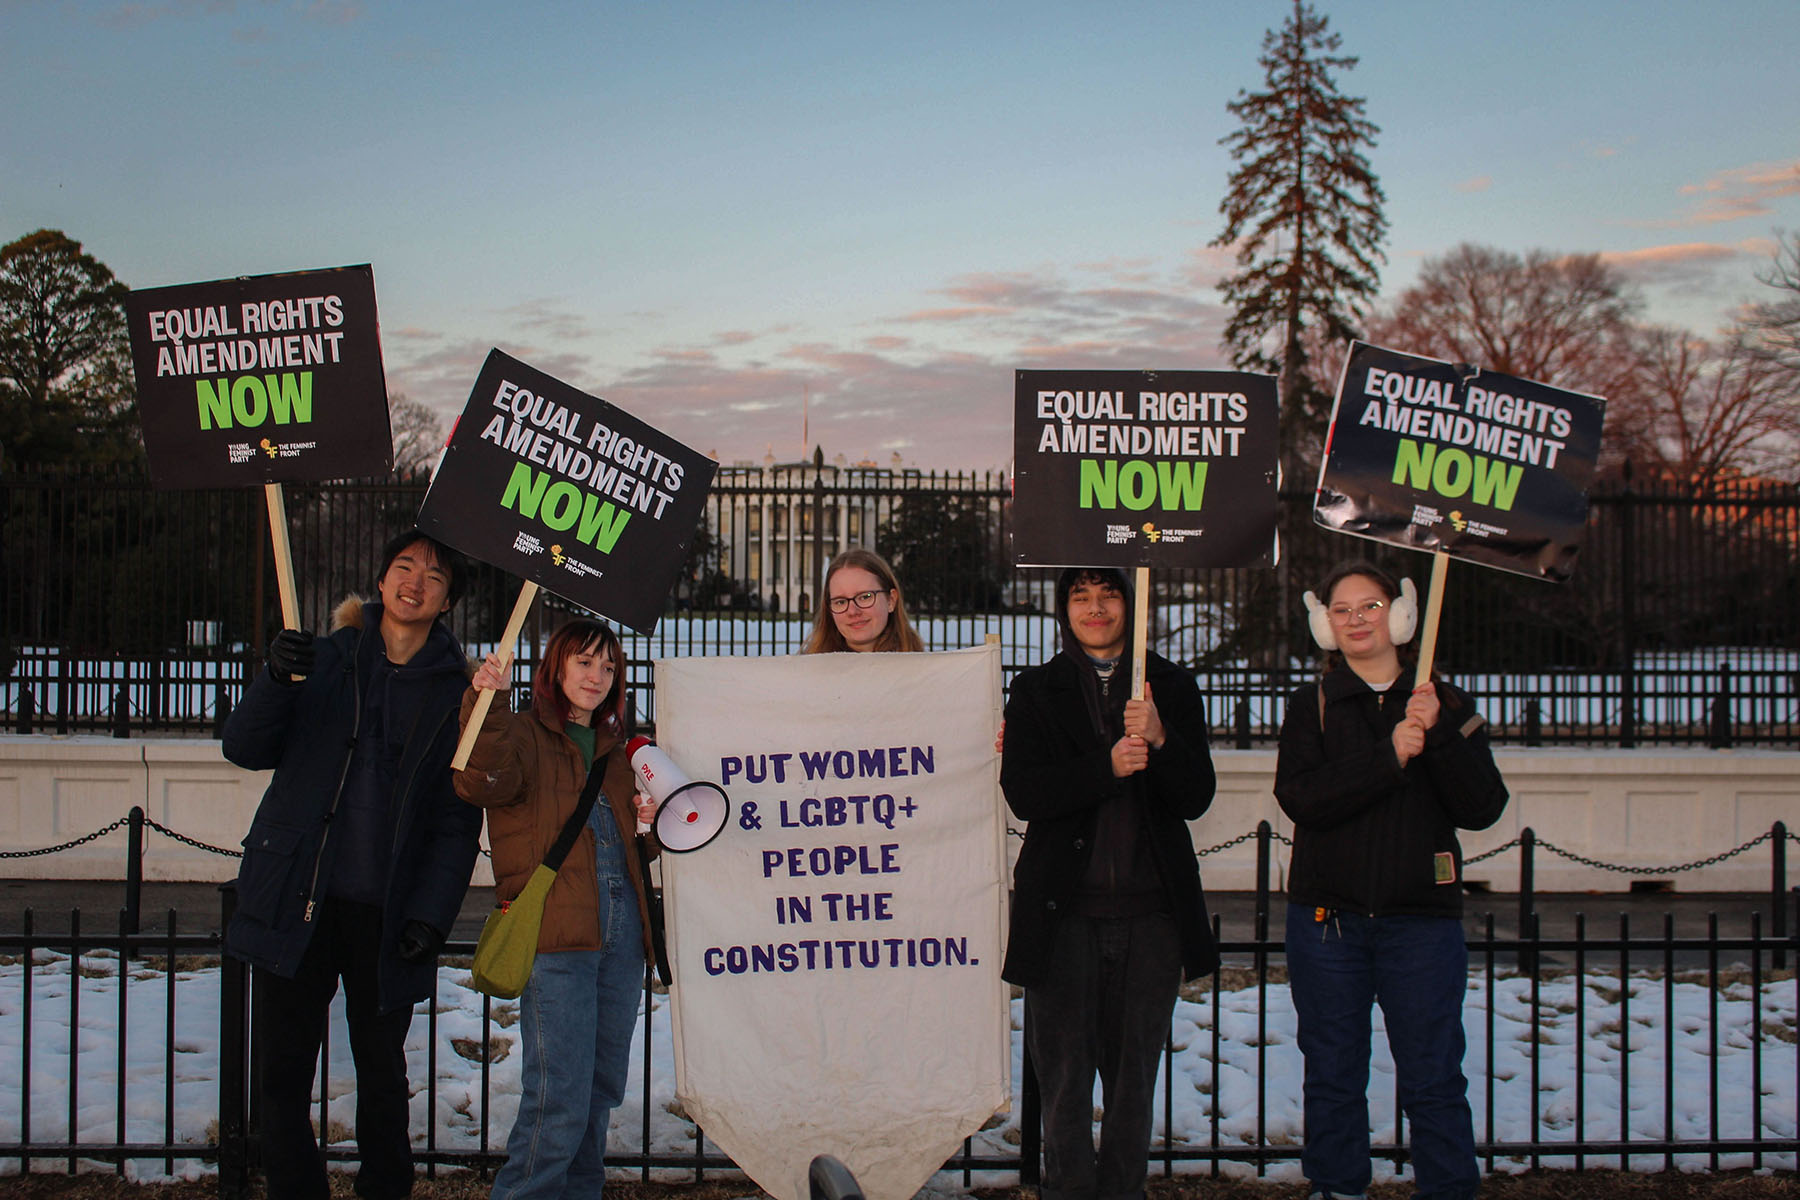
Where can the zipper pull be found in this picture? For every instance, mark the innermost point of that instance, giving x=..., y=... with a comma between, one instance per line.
x=306, y=917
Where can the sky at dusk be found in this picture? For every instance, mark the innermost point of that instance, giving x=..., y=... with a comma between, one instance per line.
x=717, y=214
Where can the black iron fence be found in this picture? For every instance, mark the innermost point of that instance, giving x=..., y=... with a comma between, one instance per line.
x=1639, y=1049
x=125, y=610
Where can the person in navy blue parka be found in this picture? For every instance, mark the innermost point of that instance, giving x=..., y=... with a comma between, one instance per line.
x=357, y=859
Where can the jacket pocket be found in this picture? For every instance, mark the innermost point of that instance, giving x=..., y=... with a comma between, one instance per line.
x=268, y=872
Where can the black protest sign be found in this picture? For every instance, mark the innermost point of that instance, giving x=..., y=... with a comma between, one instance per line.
x=261, y=379
x=1483, y=466
x=1144, y=468
x=561, y=488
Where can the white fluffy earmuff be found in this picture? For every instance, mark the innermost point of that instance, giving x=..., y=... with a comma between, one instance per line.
x=1318, y=619
x=1403, y=617
x=1403, y=614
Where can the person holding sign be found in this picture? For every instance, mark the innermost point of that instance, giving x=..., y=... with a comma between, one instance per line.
x=528, y=770
x=1108, y=916
x=1377, y=779
x=357, y=859
x=861, y=608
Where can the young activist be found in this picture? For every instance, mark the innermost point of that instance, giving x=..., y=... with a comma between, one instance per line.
x=528, y=770
x=357, y=859
x=861, y=608
x=1108, y=916
x=1377, y=776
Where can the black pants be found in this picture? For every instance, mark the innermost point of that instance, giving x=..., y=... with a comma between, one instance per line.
x=290, y=1019
x=1104, y=1012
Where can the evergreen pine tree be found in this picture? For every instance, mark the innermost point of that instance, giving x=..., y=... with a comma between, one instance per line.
x=1304, y=212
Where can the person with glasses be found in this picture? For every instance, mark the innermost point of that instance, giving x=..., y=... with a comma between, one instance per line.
x=861, y=609
x=1377, y=776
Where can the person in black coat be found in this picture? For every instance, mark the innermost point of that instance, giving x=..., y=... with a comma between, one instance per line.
x=1108, y=916
x=1377, y=776
x=357, y=859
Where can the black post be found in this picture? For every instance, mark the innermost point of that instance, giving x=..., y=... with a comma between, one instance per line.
x=1527, y=897
x=27, y=708
x=64, y=701
x=1778, y=891
x=121, y=714
x=1534, y=722
x=1240, y=719
x=1719, y=729
x=1263, y=839
x=221, y=698
x=234, y=1026
x=134, y=868
x=818, y=524
x=1627, y=615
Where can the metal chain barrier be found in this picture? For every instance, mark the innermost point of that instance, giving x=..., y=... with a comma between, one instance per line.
x=80, y=841
x=185, y=840
x=1667, y=870
x=1239, y=840
x=1497, y=850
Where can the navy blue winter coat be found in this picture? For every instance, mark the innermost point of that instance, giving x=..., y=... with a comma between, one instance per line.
x=1056, y=772
x=306, y=733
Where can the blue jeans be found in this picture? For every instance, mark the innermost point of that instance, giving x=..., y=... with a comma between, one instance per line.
x=1416, y=968
x=576, y=1019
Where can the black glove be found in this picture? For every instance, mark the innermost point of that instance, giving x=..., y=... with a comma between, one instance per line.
x=291, y=655
x=419, y=942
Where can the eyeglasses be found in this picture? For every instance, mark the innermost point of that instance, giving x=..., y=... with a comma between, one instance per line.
x=1368, y=610
x=841, y=604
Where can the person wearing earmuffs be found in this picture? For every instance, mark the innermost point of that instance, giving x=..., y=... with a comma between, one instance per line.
x=1377, y=777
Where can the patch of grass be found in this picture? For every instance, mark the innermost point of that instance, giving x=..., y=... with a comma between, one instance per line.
x=496, y=1050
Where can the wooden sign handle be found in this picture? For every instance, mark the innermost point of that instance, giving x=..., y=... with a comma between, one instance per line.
x=508, y=640
x=284, y=556
x=1140, y=630
x=1434, y=604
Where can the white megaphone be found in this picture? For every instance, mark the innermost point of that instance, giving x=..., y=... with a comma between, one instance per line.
x=689, y=813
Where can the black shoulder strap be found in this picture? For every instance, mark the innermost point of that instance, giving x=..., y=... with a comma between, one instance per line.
x=590, y=792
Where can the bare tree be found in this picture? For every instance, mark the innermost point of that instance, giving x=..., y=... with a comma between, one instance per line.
x=1561, y=319
x=418, y=433
x=1775, y=324
x=1703, y=410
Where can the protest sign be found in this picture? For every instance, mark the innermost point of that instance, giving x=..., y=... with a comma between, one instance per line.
x=565, y=490
x=837, y=949
x=1475, y=464
x=1144, y=468
x=261, y=379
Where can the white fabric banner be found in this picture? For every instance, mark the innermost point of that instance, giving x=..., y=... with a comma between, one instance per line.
x=837, y=948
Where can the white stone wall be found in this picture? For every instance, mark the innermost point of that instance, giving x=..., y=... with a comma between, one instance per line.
x=1637, y=808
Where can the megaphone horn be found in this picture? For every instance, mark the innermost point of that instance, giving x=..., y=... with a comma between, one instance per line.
x=689, y=813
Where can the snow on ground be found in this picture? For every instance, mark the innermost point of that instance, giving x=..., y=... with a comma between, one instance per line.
x=1702, y=1043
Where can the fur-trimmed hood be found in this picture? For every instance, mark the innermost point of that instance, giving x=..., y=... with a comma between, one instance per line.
x=349, y=612
x=352, y=613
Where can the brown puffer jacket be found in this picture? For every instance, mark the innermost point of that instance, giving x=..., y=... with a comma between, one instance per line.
x=529, y=776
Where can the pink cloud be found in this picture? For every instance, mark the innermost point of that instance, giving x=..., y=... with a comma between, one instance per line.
x=1694, y=267
x=1478, y=183
x=1735, y=194
x=548, y=318
x=953, y=314
x=932, y=384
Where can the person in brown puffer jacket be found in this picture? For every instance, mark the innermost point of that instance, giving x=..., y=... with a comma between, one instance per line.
x=576, y=1014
